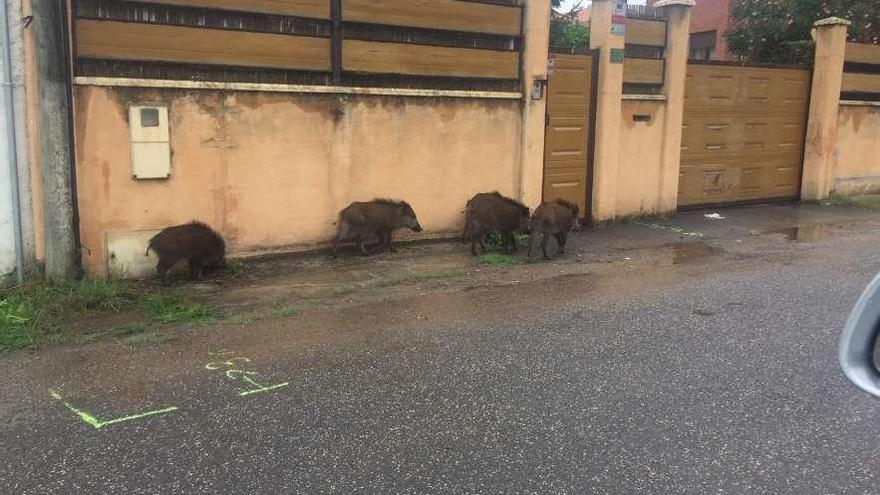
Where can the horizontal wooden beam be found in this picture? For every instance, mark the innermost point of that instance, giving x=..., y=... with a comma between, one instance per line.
x=862, y=53
x=316, y=9
x=861, y=83
x=642, y=32
x=404, y=59
x=150, y=42
x=449, y=15
x=643, y=71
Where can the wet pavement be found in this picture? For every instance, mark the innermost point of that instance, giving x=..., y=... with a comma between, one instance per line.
x=689, y=355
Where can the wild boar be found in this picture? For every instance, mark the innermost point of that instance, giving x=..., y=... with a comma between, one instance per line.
x=490, y=212
x=195, y=242
x=553, y=219
x=377, y=219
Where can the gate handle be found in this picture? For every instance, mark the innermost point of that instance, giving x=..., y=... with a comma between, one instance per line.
x=857, y=343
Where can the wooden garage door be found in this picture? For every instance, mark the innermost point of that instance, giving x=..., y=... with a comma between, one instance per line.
x=743, y=134
x=570, y=99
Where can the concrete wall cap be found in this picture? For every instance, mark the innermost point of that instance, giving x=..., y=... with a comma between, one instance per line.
x=832, y=21
x=670, y=3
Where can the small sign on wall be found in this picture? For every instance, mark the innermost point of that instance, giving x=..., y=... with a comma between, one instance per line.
x=618, y=18
x=617, y=55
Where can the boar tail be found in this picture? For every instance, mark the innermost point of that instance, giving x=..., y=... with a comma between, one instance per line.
x=149, y=248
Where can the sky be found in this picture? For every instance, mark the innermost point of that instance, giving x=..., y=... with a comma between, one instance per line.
x=567, y=4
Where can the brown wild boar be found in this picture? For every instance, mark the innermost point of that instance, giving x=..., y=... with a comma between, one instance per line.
x=490, y=212
x=195, y=242
x=377, y=219
x=553, y=219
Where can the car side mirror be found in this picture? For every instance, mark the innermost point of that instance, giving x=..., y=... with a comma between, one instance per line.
x=859, y=339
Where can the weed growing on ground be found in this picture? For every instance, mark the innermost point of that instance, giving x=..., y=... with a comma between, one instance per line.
x=128, y=330
x=422, y=277
x=235, y=268
x=30, y=313
x=289, y=311
x=145, y=338
x=168, y=308
x=495, y=241
x=497, y=259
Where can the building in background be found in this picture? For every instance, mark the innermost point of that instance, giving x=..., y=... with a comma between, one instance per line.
x=710, y=19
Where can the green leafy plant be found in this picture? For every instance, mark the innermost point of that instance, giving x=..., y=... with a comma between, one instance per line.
x=289, y=311
x=176, y=309
x=30, y=313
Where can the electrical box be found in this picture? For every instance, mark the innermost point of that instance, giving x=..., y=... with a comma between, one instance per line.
x=150, y=143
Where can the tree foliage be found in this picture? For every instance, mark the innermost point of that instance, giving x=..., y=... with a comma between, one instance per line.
x=566, y=32
x=569, y=35
x=778, y=31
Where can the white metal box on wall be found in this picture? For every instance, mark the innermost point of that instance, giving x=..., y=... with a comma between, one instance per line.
x=150, y=142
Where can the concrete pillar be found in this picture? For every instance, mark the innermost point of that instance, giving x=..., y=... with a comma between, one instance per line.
x=678, y=18
x=52, y=64
x=536, y=25
x=31, y=127
x=606, y=155
x=821, y=143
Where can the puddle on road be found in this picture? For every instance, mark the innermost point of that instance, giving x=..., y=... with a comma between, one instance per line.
x=808, y=233
x=674, y=254
x=693, y=251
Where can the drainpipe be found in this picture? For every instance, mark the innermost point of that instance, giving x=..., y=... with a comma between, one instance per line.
x=7, y=84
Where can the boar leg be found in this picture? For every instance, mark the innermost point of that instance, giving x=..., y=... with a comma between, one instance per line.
x=162, y=267
x=560, y=242
x=362, y=246
x=389, y=241
x=472, y=236
x=532, y=238
x=381, y=243
x=335, y=247
x=510, y=242
x=343, y=230
x=545, y=238
x=477, y=238
x=195, y=268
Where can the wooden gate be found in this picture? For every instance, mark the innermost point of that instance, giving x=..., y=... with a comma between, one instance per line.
x=744, y=131
x=569, y=131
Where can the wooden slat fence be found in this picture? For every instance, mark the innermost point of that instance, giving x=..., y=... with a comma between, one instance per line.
x=645, y=66
x=453, y=44
x=861, y=78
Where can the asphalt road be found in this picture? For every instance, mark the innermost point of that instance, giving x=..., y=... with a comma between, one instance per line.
x=716, y=376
